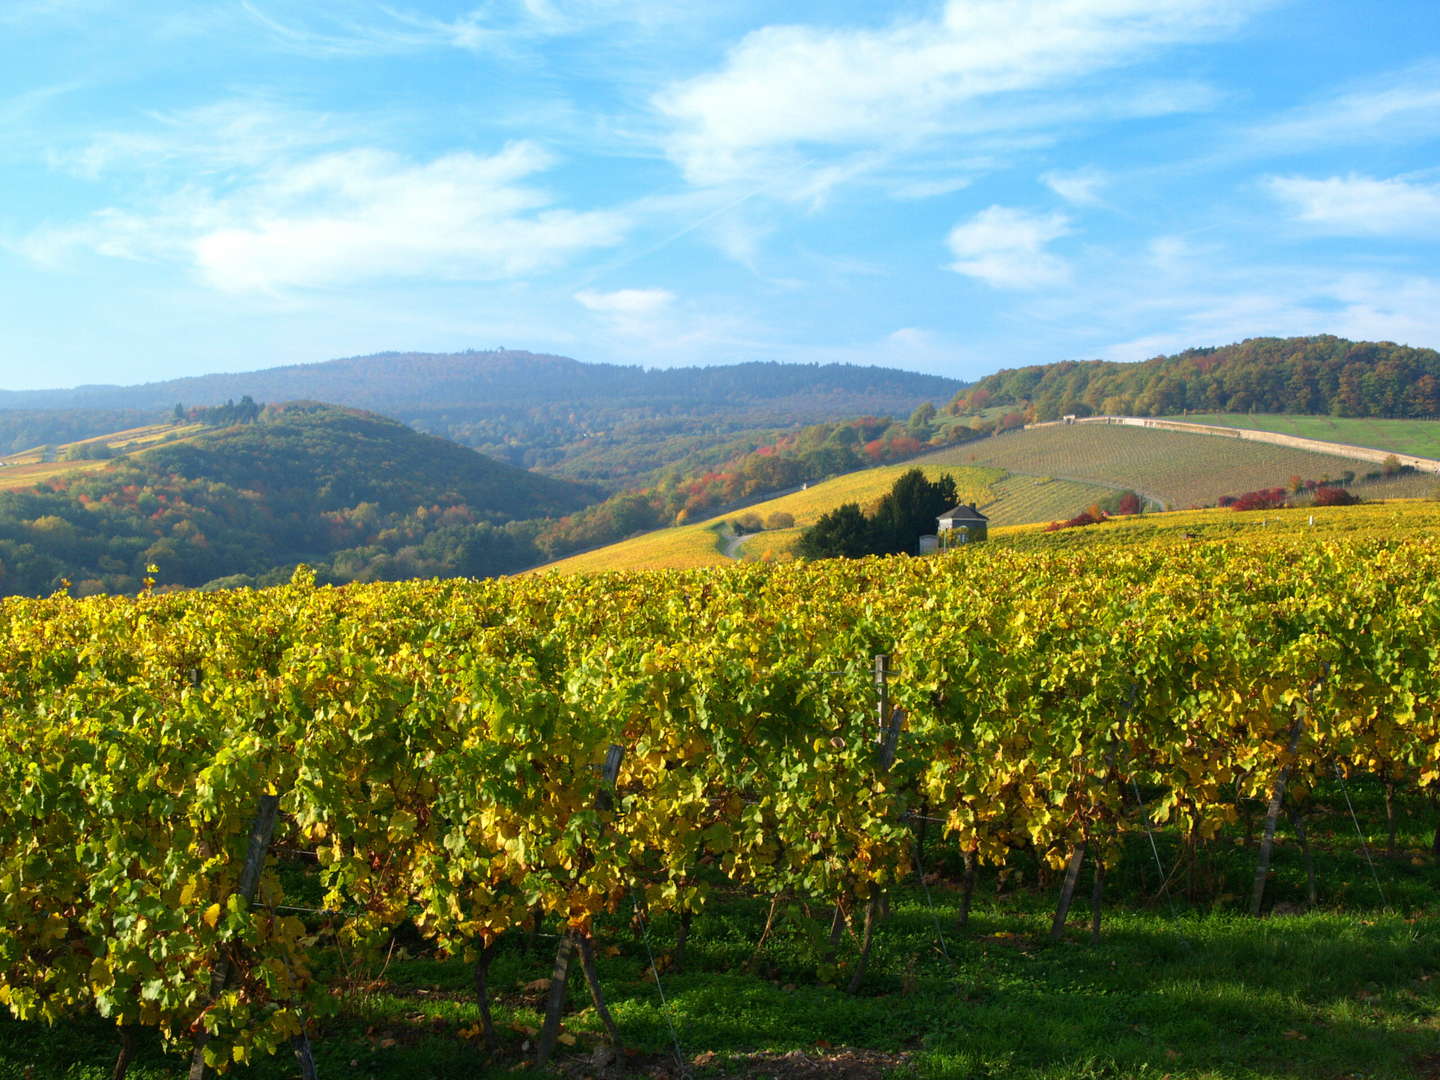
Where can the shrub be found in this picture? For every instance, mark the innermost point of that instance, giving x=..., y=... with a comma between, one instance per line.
x=779, y=519
x=1335, y=496
x=1264, y=499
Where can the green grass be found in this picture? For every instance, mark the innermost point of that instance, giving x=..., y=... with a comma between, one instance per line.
x=1419, y=437
x=1182, y=986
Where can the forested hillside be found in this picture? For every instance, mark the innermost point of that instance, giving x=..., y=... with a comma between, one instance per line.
x=1284, y=375
x=602, y=422
x=359, y=496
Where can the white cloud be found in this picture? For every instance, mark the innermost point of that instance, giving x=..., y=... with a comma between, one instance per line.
x=930, y=189
x=1361, y=205
x=643, y=314
x=785, y=90
x=1403, y=107
x=354, y=216
x=1005, y=247
x=626, y=301
x=1081, y=187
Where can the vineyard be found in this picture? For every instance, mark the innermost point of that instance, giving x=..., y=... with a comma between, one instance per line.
x=219, y=807
x=1176, y=468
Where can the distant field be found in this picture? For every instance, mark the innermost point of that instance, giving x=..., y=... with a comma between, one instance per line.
x=1420, y=437
x=18, y=477
x=1177, y=469
x=1047, y=474
x=774, y=545
x=687, y=546
x=26, y=468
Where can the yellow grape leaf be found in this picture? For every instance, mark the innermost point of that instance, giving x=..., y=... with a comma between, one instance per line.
x=212, y=915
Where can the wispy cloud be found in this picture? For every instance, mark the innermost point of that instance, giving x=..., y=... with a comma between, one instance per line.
x=1006, y=247
x=1356, y=205
x=34, y=12
x=496, y=27
x=354, y=216
x=629, y=312
x=788, y=89
x=240, y=132
x=1400, y=107
x=1080, y=186
x=395, y=32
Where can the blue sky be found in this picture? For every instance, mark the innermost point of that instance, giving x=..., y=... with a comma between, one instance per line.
x=948, y=187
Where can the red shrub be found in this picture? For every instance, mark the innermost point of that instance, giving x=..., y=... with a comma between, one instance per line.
x=1334, y=496
x=1265, y=499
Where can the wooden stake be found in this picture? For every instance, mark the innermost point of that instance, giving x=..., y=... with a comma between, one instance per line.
x=1067, y=891
x=865, y=942
x=482, y=992
x=304, y=1056
x=682, y=937
x=127, y=1050
x=1097, y=898
x=1390, y=812
x=967, y=888
x=555, y=1002
x=1272, y=815
x=889, y=741
x=587, y=964
x=1297, y=822
x=261, y=831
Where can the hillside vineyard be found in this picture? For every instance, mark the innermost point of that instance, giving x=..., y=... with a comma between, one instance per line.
x=436, y=747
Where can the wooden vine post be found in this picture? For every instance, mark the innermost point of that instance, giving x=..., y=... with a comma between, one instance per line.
x=573, y=942
x=888, y=741
x=1272, y=816
x=1067, y=891
x=262, y=829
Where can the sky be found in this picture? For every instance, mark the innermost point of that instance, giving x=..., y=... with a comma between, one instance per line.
x=951, y=187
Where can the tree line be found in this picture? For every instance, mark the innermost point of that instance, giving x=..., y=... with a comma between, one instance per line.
x=1311, y=375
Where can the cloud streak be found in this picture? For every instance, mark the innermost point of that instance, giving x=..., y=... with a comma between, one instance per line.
x=1357, y=205
x=355, y=216
x=786, y=89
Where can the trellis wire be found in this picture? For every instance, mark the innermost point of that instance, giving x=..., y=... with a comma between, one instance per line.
x=1363, y=845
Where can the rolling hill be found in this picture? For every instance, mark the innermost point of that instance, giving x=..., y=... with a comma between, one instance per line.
x=359, y=496
x=1032, y=476
x=602, y=422
x=1311, y=375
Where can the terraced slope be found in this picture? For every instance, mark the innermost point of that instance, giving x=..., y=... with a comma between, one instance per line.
x=1176, y=469
x=27, y=468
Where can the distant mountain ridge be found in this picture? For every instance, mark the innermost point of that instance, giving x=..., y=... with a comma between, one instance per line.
x=606, y=423
x=412, y=380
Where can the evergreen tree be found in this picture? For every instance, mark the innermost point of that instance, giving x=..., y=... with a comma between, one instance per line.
x=905, y=513
x=844, y=532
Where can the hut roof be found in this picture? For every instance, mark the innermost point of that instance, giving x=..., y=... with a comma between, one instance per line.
x=963, y=512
